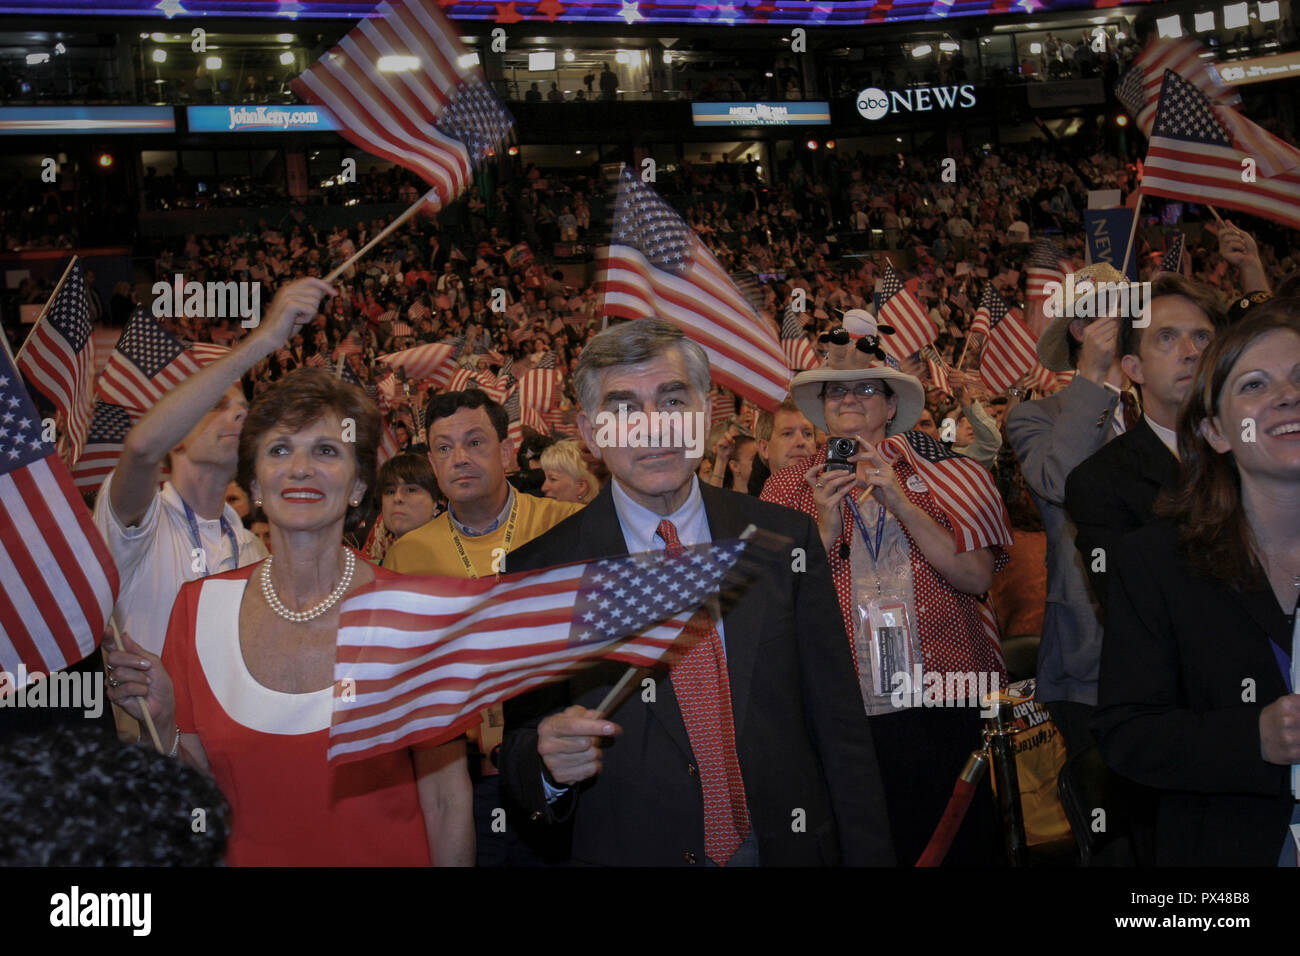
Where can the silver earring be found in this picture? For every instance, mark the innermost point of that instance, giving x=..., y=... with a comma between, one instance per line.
x=257, y=502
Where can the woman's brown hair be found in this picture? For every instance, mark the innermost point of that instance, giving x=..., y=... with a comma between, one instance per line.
x=302, y=397
x=1206, y=502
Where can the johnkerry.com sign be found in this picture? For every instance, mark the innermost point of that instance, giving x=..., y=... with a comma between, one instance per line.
x=875, y=103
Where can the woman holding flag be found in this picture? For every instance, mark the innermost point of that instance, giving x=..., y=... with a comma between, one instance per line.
x=914, y=535
x=244, y=689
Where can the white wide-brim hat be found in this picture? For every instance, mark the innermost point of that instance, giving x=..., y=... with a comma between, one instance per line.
x=848, y=363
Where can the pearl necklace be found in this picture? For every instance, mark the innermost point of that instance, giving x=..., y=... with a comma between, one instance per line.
x=273, y=600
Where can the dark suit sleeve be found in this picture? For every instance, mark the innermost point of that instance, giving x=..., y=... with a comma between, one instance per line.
x=1100, y=521
x=1145, y=727
x=838, y=720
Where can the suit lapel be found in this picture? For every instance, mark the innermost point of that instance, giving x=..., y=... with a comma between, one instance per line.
x=742, y=618
x=1155, y=461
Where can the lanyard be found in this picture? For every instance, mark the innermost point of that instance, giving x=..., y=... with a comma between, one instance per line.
x=225, y=528
x=873, y=550
x=505, y=543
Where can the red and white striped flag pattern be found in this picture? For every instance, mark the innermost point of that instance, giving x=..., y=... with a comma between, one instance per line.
x=108, y=427
x=59, y=358
x=530, y=417
x=401, y=329
x=58, y=582
x=419, y=659
x=1139, y=89
x=424, y=361
x=351, y=345
x=540, y=389
x=1010, y=351
x=148, y=362
x=388, y=446
x=938, y=371
x=1045, y=382
x=1196, y=153
x=964, y=489
x=438, y=119
x=485, y=382
x=655, y=265
x=983, y=322
x=722, y=405
x=105, y=341
x=799, y=353
x=913, y=328
x=1045, y=264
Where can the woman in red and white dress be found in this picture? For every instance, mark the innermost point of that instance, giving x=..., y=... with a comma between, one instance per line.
x=244, y=688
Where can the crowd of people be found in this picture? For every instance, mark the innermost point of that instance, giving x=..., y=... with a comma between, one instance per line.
x=1143, y=439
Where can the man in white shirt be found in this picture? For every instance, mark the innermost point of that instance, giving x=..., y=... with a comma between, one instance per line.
x=161, y=538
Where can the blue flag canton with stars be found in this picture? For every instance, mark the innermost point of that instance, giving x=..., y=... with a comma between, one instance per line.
x=994, y=304
x=890, y=284
x=108, y=425
x=69, y=314
x=149, y=346
x=625, y=595
x=1173, y=258
x=649, y=225
x=20, y=425
x=1131, y=90
x=1045, y=254
x=477, y=118
x=1185, y=113
x=929, y=449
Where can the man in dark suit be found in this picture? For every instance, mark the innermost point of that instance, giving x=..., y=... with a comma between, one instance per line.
x=762, y=756
x=1112, y=492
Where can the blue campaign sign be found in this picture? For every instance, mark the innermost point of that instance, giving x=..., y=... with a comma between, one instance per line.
x=1108, y=231
x=258, y=119
x=34, y=120
x=812, y=113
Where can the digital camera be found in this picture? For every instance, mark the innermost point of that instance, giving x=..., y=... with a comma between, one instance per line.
x=839, y=451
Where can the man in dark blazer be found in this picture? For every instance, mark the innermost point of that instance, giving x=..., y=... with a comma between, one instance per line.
x=1112, y=493
x=633, y=781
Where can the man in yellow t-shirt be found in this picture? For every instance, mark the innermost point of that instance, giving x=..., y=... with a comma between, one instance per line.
x=485, y=520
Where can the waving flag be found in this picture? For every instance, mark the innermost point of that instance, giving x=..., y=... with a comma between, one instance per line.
x=59, y=358
x=423, y=361
x=433, y=114
x=1046, y=263
x=58, y=582
x=913, y=328
x=485, y=382
x=108, y=427
x=937, y=368
x=656, y=266
x=422, y=657
x=148, y=362
x=1139, y=88
x=1196, y=154
x=1010, y=350
x=1173, y=258
x=799, y=354
x=540, y=389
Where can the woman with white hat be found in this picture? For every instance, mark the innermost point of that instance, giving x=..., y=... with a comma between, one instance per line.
x=913, y=535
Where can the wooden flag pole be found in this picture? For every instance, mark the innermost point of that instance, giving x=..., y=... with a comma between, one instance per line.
x=430, y=197
x=1132, y=234
x=1216, y=215
x=144, y=706
x=53, y=295
x=616, y=691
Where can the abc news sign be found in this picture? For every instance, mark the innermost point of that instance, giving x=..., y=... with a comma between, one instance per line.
x=875, y=103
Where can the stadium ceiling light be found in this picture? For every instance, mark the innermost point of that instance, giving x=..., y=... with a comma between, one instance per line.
x=622, y=57
x=1035, y=48
x=1169, y=28
x=1204, y=21
x=1269, y=11
x=668, y=58
x=467, y=60
x=35, y=59
x=769, y=74
x=1236, y=16
x=160, y=56
x=60, y=48
x=144, y=36
x=949, y=46
x=568, y=56
x=286, y=58
x=284, y=37
x=398, y=64
x=213, y=63
x=923, y=50
x=541, y=61
x=158, y=37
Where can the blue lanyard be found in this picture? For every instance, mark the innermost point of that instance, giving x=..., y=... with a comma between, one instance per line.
x=225, y=528
x=873, y=550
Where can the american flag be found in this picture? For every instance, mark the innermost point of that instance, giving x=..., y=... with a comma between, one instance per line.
x=1045, y=382
x=799, y=354
x=148, y=362
x=546, y=360
x=1196, y=153
x=747, y=282
x=59, y=358
x=1139, y=88
x=58, y=582
x=1010, y=350
x=657, y=266
x=387, y=392
x=540, y=389
x=530, y=417
x=722, y=405
x=419, y=660
x=423, y=361
x=388, y=446
x=937, y=369
x=485, y=382
x=351, y=345
x=438, y=120
x=105, y=340
x=1173, y=258
x=1046, y=263
x=401, y=329
x=983, y=321
x=913, y=328
x=108, y=427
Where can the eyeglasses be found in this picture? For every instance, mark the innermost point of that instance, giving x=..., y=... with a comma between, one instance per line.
x=837, y=393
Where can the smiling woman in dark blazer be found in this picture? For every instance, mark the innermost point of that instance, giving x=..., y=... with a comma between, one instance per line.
x=1195, y=695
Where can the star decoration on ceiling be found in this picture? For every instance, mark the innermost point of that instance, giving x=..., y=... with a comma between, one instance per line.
x=550, y=9
x=506, y=13
x=630, y=13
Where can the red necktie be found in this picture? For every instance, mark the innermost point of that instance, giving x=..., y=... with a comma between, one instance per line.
x=704, y=692
x=1132, y=414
